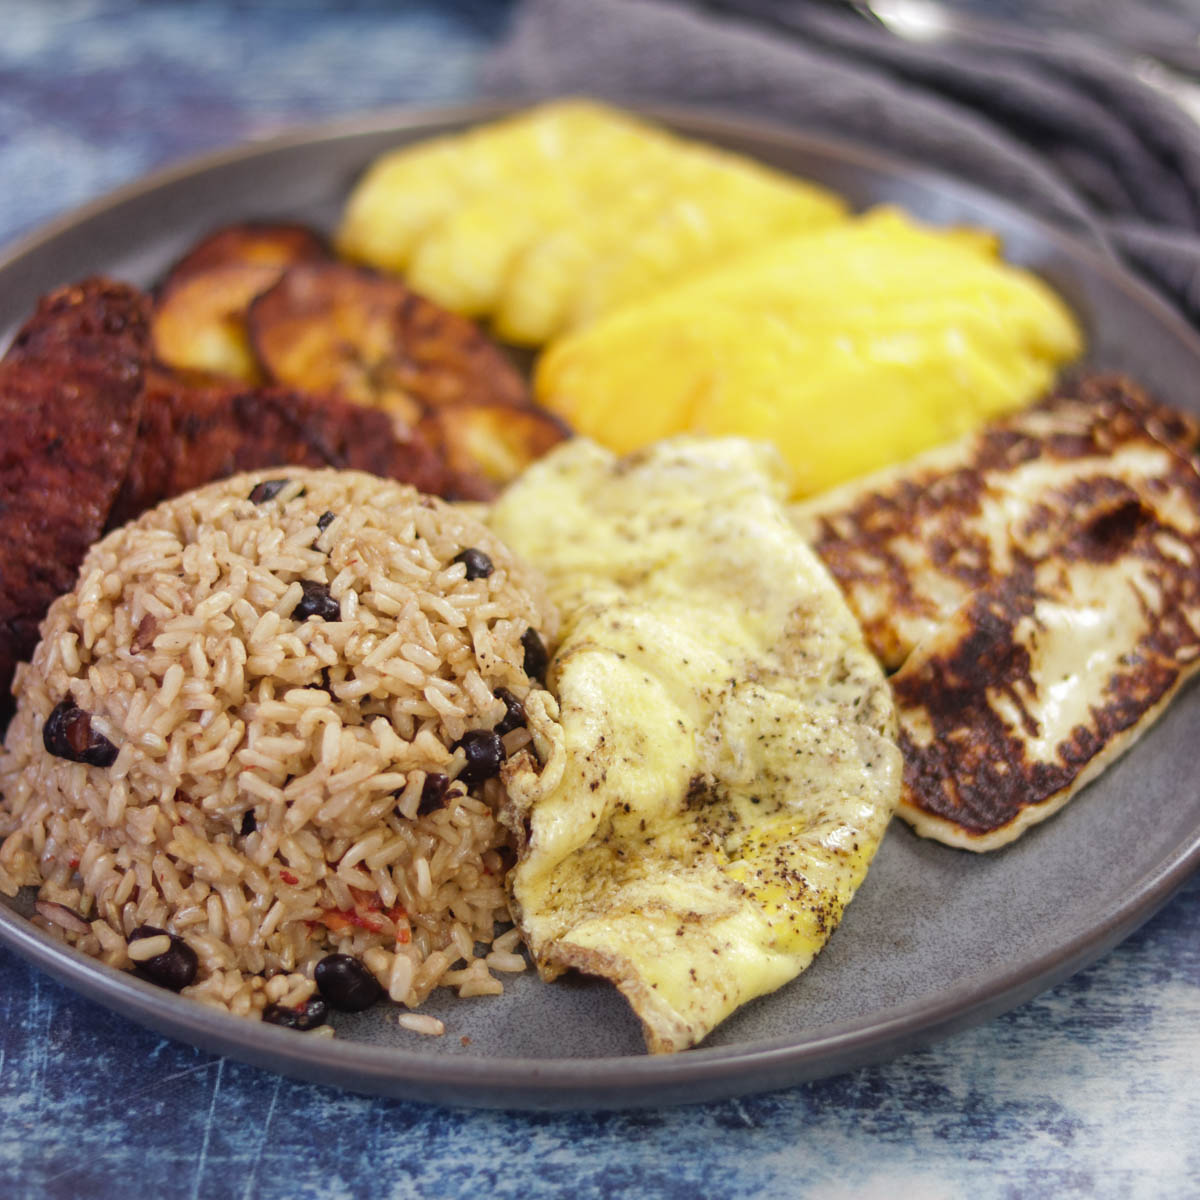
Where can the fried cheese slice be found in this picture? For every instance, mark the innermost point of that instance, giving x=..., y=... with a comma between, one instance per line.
x=1036, y=588
x=723, y=763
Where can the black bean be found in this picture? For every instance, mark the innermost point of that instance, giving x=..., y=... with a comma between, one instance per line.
x=68, y=734
x=316, y=602
x=478, y=565
x=174, y=968
x=324, y=685
x=267, y=490
x=514, y=716
x=249, y=823
x=485, y=753
x=346, y=983
x=433, y=793
x=536, y=658
x=323, y=522
x=308, y=1015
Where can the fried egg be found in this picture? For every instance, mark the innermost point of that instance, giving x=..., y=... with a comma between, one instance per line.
x=719, y=742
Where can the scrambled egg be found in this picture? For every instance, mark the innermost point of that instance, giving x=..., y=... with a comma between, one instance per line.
x=720, y=762
x=850, y=348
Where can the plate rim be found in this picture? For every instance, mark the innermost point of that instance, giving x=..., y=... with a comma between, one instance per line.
x=620, y=1081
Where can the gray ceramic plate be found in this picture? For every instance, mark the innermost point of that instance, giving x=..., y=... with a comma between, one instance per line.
x=937, y=939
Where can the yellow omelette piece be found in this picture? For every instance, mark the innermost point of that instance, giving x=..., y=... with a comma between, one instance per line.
x=563, y=212
x=719, y=742
x=848, y=348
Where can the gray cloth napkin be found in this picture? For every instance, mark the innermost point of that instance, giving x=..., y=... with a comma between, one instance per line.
x=1063, y=129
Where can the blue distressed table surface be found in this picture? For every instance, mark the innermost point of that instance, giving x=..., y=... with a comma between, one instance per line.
x=1093, y=1089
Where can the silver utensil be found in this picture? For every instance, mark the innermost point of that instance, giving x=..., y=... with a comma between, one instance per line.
x=1170, y=67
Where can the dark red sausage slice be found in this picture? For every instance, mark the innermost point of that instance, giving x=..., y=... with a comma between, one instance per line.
x=70, y=399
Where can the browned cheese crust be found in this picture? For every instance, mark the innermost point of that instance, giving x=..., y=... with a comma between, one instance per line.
x=70, y=397
x=1036, y=588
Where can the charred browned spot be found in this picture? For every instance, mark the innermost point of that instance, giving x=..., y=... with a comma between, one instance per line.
x=701, y=793
x=1108, y=533
x=1124, y=406
x=883, y=642
x=1003, y=449
x=860, y=550
x=1071, y=445
x=984, y=781
x=966, y=558
x=906, y=554
x=987, y=654
x=973, y=767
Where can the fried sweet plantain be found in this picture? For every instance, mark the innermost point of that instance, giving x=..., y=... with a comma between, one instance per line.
x=200, y=320
x=252, y=244
x=70, y=398
x=328, y=327
x=192, y=433
x=200, y=317
x=495, y=441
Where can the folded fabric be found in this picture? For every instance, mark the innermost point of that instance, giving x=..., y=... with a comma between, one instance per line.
x=1062, y=128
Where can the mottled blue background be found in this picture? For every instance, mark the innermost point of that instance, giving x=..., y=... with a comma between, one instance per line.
x=1091, y=1090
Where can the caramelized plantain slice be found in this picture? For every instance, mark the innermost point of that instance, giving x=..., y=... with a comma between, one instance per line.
x=200, y=320
x=252, y=244
x=495, y=441
x=329, y=327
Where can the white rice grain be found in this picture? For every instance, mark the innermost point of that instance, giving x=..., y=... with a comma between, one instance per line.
x=421, y=1023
